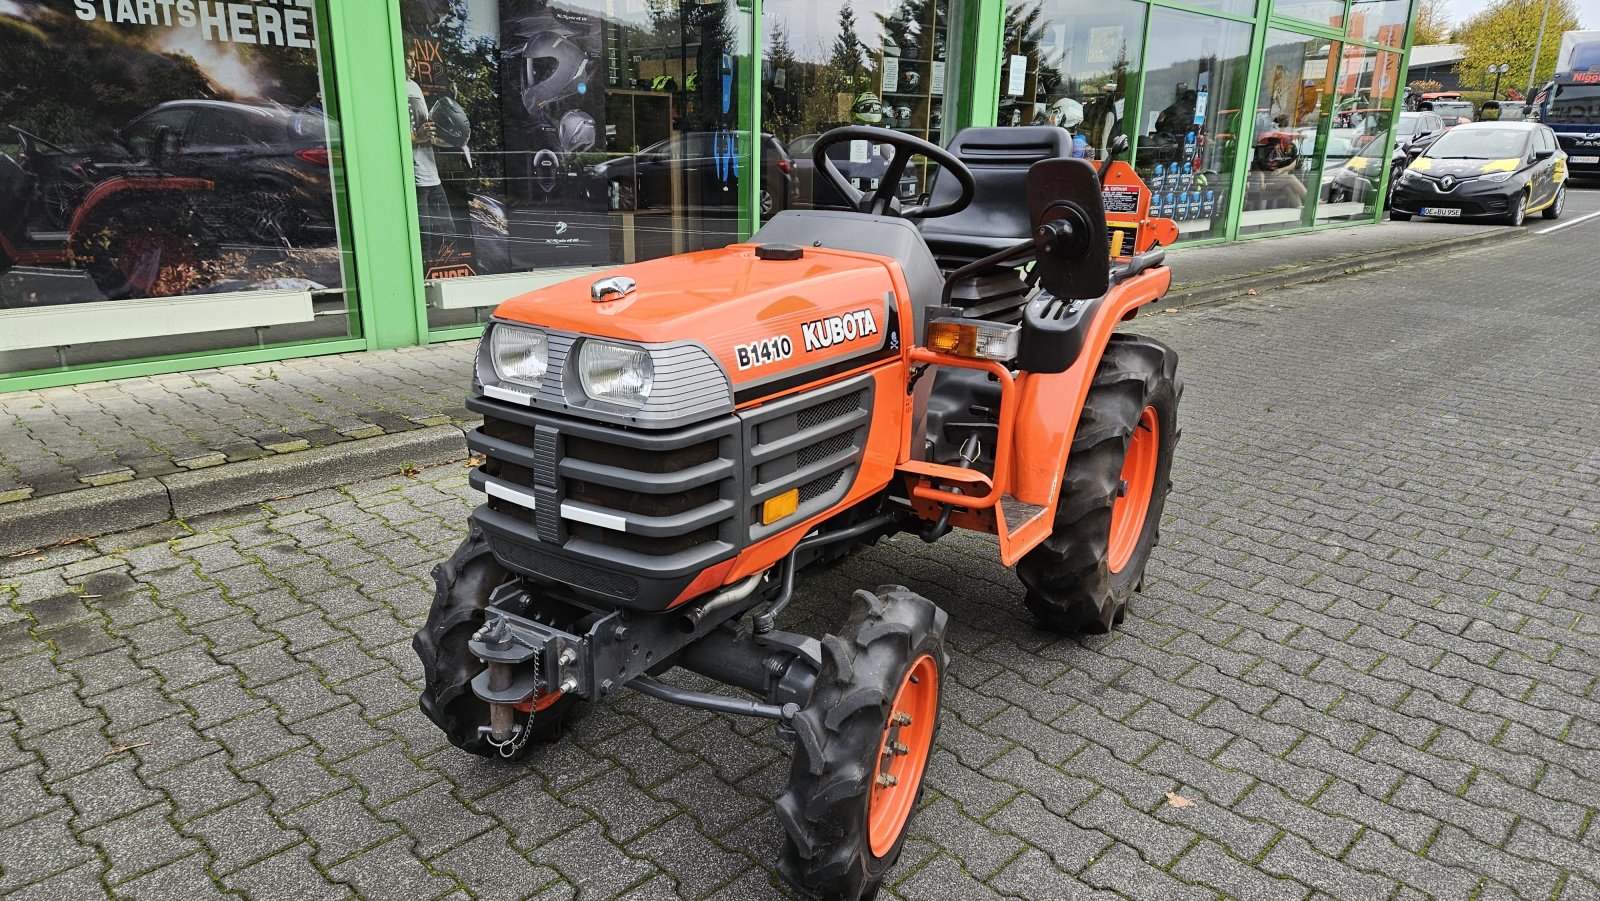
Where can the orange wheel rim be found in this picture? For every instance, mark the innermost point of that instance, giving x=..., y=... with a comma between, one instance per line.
x=902, y=755
x=1139, y=480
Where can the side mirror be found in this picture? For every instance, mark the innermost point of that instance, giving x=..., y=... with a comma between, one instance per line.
x=1420, y=135
x=1069, y=221
x=1541, y=155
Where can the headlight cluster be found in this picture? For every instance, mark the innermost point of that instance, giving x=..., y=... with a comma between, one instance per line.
x=519, y=355
x=620, y=374
x=615, y=373
x=1497, y=176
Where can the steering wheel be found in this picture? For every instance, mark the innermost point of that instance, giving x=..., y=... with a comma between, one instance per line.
x=883, y=201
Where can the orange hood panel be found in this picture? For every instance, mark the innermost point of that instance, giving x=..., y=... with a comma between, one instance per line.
x=764, y=319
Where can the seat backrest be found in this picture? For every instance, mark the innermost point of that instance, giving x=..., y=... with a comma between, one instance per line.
x=998, y=216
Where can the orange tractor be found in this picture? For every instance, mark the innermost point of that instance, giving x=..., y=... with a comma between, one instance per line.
x=668, y=445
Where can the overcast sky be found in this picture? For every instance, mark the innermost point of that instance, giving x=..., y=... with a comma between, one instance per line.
x=1461, y=10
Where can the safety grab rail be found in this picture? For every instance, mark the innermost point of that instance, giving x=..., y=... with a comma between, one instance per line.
x=1002, y=450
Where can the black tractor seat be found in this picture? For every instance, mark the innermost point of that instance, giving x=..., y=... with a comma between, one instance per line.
x=998, y=216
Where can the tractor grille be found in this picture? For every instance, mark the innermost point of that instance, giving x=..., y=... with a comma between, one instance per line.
x=609, y=509
x=811, y=443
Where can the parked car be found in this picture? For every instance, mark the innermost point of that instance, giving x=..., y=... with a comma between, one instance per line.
x=1358, y=178
x=1454, y=109
x=1485, y=170
x=268, y=165
x=644, y=179
x=820, y=193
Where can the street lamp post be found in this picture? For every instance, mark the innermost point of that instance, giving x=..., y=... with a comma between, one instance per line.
x=1537, y=46
x=1498, y=71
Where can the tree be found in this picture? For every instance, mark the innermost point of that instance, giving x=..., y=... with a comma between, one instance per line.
x=1506, y=32
x=849, y=53
x=1433, y=23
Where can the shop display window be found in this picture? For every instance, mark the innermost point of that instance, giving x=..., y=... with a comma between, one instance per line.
x=878, y=62
x=1195, y=117
x=1073, y=65
x=1290, y=132
x=1328, y=13
x=1380, y=21
x=548, y=136
x=169, y=179
x=1358, y=133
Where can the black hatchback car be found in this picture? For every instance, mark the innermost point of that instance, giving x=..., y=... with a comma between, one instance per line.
x=1485, y=170
x=269, y=163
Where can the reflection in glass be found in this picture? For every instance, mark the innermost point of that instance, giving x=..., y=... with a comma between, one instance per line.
x=1320, y=12
x=878, y=63
x=1194, y=89
x=578, y=133
x=174, y=162
x=1379, y=21
x=1067, y=64
x=1290, y=132
x=1368, y=85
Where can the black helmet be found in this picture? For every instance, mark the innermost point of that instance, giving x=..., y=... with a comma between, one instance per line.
x=545, y=168
x=450, y=120
x=553, y=65
x=576, y=132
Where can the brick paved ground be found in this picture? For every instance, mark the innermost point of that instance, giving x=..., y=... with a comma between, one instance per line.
x=1368, y=651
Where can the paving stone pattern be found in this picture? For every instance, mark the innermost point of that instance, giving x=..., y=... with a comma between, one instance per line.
x=1367, y=651
x=61, y=439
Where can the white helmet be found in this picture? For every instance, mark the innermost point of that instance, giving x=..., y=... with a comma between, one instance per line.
x=1068, y=112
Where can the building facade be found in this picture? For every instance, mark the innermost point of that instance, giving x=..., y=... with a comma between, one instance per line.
x=193, y=183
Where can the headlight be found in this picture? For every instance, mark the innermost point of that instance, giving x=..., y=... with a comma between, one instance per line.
x=1497, y=176
x=615, y=373
x=518, y=354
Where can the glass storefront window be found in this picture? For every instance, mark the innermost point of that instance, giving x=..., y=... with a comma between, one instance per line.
x=1357, y=133
x=879, y=62
x=1290, y=132
x=551, y=135
x=1319, y=12
x=1379, y=21
x=168, y=183
x=1194, y=117
x=1074, y=65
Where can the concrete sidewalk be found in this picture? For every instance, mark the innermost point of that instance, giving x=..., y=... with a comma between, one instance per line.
x=92, y=459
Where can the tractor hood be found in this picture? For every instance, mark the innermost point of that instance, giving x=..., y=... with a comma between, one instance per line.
x=764, y=320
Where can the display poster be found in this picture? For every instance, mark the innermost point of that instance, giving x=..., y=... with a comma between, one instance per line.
x=1201, y=99
x=162, y=149
x=936, y=79
x=891, y=74
x=1019, y=76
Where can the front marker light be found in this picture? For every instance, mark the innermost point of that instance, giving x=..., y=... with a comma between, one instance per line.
x=975, y=339
x=618, y=374
x=519, y=354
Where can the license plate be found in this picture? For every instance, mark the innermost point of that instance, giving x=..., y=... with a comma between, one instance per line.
x=1441, y=212
x=1586, y=160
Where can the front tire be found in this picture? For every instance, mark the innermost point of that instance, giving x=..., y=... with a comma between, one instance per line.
x=862, y=746
x=1081, y=578
x=462, y=587
x=1397, y=216
x=1554, y=210
x=1519, y=211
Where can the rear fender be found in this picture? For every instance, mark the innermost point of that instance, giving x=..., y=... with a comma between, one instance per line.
x=1048, y=408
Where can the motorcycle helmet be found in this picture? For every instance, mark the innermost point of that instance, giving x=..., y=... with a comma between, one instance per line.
x=1068, y=112
x=867, y=108
x=545, y=167
x=911, y=78
x=936, y=118
x=691, y=82
x=450, y=123
x=576, y=132
x=552, y=65
x=903, y=113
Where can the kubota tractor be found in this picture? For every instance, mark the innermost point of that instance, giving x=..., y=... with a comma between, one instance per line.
x=668, y=445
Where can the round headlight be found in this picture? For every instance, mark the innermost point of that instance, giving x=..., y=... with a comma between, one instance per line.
x=519, y=354
x=615, y=373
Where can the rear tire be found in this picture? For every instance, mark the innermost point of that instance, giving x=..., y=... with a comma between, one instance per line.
x=1554, y=210
x=844, y=829
x=462, y=587
x=1081, y=578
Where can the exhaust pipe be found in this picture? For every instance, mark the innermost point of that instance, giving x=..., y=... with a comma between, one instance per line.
x=689, y=621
